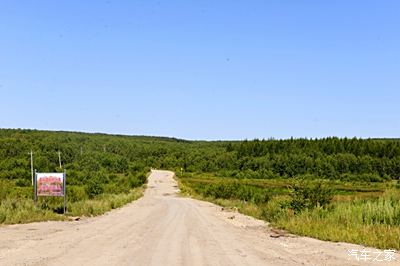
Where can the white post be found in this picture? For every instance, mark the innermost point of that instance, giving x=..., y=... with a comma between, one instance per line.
x=31, y=153
x=59, y=158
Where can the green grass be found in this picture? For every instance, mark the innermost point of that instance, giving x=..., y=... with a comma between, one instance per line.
x=359, y=213
x=15, y=211
x=373, y=222
x=22, y=210
x=104, y=203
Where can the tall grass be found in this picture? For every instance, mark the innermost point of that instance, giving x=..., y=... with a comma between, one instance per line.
x=103, y=203
x=21, y=210
x=374, y=222
x=14, y=211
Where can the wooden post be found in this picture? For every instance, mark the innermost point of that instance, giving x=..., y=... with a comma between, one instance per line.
x=31, y=153
x=59, y=158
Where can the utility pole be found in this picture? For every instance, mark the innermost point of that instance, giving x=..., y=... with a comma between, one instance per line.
x=31, y=153
x=81, y=151
x=59, y=158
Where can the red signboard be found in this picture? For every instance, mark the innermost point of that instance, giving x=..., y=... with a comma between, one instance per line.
x=50, y=184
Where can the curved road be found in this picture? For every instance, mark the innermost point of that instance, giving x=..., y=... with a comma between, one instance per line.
x=164, y=229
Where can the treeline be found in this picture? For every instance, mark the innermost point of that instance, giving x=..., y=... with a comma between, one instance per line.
x=107, y=156
x=95, y=163
x=110, y=157
x=331, y=158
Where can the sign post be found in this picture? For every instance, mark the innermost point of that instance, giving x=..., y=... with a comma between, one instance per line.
x=35, y=188
x=51, y=185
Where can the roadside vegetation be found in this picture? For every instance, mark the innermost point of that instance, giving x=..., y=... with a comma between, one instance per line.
x=97, y=180
x=17, y=209
x=332, y=189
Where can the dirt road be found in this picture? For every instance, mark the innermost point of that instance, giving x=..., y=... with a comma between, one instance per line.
x=164, y=229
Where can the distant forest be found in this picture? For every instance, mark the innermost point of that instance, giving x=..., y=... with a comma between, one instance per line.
x=84, y=155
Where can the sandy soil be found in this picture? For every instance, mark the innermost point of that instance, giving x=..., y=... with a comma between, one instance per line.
x=164, y=229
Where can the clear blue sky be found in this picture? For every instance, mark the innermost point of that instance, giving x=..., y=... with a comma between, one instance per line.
x=202, y=69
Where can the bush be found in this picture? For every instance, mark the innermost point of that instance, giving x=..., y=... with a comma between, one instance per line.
x=5, y=188
x=21, y=192
x=76, y=193
x=117, y=188
x=306, y=195
x=137, y=180
x=23, y=182
x=277, y=208
x=260, y=197
x=94, y=186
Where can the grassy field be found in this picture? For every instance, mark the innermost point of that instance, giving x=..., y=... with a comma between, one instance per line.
x=17, y=206
x=359, y=212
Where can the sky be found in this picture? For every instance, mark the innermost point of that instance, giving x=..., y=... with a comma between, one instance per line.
x=210, y=70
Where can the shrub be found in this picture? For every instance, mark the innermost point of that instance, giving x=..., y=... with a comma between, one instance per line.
x=23, y=182
x=76, y=193
x=137, y=180
x=94, y=187
x=260, y=197
x=277, y=208
x=306, y=195
x=117, y=188
x=21, y=192
x=5, y=188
